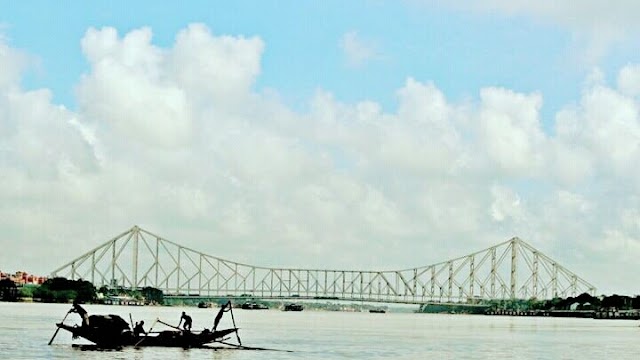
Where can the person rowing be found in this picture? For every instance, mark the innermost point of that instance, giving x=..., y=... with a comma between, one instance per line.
x=139, y=328
x=76, y=308
x=187, y=321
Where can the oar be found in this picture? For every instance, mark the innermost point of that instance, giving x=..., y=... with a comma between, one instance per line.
x=58, y=329
x=242, y=347
x=169, y=325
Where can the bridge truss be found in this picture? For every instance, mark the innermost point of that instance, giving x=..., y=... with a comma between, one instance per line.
x=509, y=270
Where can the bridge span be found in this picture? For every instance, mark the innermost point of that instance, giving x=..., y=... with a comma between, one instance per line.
x=138, y=258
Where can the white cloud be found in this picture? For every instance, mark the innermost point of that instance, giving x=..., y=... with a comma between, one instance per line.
x=128, y=89
x=570, y=163
x=588, y=15
x=177, y=140
x=357, y=51
x=148, y=94
x=217, y=69
x=506, y=204
x=599, y=24
x=13, y=62
x=607, y=123
x=629, y=80
x=510, y=130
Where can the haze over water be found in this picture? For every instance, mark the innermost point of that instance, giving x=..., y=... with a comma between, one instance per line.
x=25, y=330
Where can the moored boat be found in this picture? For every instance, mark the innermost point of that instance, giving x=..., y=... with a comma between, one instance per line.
x=254, y=306
x=377, y=311
x=204, y=305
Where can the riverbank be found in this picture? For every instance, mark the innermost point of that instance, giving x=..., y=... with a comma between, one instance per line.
x=591, y=314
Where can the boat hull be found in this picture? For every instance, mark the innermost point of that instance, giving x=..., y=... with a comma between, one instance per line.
x=170, y=338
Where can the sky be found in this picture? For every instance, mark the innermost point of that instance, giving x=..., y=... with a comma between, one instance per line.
x=341, y=135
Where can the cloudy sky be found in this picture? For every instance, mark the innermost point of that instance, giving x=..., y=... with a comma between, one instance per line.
x=351, y=135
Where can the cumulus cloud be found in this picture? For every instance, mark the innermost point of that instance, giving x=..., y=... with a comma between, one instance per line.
x=178, y=140
x=510, y=130
x=607, y=123
x=357, y=51
x=128, y=90
x=13, y=62
x=148, y=94
x=506, y=204
x=629, y=80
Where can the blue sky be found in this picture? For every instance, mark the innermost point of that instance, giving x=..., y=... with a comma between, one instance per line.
x=416, y=130
x=459, y=51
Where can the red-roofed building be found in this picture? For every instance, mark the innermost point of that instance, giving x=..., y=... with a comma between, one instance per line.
x=23, y=278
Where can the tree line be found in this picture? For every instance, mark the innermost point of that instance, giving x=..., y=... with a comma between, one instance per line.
x=62, y=290
x=583, y=301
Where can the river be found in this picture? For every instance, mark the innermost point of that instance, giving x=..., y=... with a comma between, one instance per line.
x=25, y=330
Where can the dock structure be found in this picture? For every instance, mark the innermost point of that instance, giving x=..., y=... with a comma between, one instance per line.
x=122, y=300
x=591, y=314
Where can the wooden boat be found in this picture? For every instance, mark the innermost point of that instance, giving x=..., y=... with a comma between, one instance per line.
x=111, y=331
x=293, y=307
x=168, y=338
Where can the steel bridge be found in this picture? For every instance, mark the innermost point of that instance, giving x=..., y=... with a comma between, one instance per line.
x=510, y=270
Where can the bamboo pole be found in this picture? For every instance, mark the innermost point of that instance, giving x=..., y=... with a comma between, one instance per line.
x=58, y=329
x=234, y=323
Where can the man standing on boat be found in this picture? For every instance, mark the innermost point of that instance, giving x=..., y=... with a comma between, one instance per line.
x=82, y=312
x=187, y=321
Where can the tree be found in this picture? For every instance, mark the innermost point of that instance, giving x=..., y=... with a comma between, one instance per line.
x=104, y=290
x=153, y=295
x=85, y=291
x=8, y=290
x=27, y=291
x=616, y=301
x=62, y=290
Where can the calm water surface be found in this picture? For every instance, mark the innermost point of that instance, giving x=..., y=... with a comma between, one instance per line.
x=25, y=330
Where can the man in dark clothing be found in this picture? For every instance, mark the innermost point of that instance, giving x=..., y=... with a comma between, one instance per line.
x=139, y=329
x=82, y=312
x=187, y=321
x=223, y=309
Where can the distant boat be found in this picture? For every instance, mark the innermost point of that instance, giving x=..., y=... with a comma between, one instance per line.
x=293, y=307
x=204, y=305
x=254, y=306
x=377, y=311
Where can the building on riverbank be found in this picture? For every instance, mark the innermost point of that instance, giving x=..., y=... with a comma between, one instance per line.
x=23, y=278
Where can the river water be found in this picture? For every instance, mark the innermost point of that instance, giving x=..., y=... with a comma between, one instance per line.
x=25, y=330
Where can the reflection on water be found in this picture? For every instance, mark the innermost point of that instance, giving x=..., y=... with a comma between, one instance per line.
x=25, y=330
